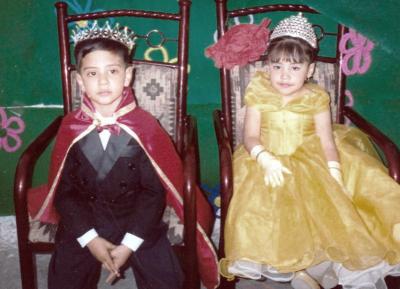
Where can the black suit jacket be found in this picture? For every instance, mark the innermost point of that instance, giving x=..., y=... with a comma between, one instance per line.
x=114, y=191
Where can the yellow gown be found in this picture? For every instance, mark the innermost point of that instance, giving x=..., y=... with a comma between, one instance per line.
x=311, y=218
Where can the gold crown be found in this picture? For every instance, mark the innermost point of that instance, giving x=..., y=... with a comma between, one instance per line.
x=122, y=35
x=296, y=26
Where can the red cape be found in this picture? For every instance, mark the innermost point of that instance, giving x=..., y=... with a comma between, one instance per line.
x=161, y=151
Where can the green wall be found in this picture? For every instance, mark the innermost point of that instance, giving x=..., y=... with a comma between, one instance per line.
x=30, y=80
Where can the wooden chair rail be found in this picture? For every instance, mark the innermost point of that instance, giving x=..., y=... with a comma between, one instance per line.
x=22, y=182
x=390, y=150
x=190, y=163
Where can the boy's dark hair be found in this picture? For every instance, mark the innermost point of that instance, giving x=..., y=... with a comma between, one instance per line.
x=86, y=46
x=291, y=49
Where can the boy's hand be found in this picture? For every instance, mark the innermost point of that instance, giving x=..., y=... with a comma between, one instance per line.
x=120, y=255
x=100, y=249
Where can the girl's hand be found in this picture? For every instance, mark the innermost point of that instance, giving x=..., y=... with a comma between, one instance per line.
x=273, y=167
x=273, y=170
x=336, y=172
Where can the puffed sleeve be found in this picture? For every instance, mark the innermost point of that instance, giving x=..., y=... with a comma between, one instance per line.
x=253, y=90
x=321, y=102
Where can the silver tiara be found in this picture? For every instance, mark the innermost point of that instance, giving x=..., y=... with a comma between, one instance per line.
x=123, y=35
x=296, y=26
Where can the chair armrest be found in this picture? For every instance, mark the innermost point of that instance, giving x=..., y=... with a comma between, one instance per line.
x=190, y=158
x=389, y=149
x=226, y=174
x=190, y=174
x=24, y=172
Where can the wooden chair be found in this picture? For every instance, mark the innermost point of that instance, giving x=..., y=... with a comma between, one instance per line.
x=171, y=111
x=228, y=121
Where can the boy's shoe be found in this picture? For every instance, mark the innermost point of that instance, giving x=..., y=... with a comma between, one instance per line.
x=302, y=280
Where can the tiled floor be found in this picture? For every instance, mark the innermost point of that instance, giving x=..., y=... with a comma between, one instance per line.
x=10, y=275
x=248, y=284
x=10, y=278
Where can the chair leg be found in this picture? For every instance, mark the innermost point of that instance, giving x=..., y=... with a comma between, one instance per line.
x=392, y=282
x=225, y=284
x=188, y=262
x=27, y=268
x=191, y=280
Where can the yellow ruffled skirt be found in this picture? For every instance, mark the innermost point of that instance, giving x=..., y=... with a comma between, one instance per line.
x=311, y=218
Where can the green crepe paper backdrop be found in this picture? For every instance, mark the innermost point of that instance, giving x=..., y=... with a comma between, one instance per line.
x=30, y=68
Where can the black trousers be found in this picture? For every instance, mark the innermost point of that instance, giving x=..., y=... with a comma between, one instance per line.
x=155, y=266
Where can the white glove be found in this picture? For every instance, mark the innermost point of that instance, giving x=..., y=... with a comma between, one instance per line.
x=335, y=171
x=272, y=166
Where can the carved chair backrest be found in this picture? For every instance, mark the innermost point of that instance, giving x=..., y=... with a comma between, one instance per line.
x=234, y=82
x=160, y=87
x=155, y=88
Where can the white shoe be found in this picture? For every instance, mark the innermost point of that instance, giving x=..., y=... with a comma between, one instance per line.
x=329, y=281
x=302, y=280
x=324, y=274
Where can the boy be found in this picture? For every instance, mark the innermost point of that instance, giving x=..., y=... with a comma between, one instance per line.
x=111, y=169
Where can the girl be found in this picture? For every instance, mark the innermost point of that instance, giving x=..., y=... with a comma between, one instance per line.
x=305, y=196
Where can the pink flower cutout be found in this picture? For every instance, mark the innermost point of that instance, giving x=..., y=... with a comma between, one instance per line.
x=359, y=53
x=9, y=131
x=240, y=45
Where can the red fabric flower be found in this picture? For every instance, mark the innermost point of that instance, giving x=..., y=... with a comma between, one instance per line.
x=240, y=45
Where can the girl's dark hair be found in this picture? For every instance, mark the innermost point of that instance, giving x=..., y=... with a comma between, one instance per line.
x=291, y=49
x=86, y=46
